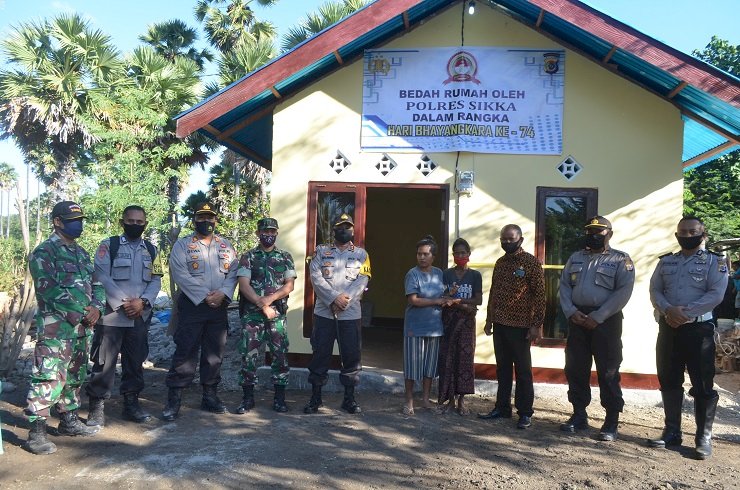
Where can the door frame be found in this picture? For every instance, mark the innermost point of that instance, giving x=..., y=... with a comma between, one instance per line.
x=360, y=190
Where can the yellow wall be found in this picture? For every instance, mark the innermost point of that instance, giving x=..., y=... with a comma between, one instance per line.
x=628, y=141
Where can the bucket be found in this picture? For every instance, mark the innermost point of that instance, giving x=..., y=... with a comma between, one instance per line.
x=725, y=324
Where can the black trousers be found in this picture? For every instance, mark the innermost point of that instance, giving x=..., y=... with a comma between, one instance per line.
x=199, y=328
x=604, y=345
x=133, y=345
x=512, y=356
x=689, y=347
x=350, y=349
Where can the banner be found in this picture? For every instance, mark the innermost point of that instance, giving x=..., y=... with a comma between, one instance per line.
x=477, y=99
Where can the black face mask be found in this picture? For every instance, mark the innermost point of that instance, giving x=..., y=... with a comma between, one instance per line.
x=689, y=242
x=511, y=247
x=594, y=242
x=133, y=231
x=267, y=241
x=204, y=228
x=343, y=235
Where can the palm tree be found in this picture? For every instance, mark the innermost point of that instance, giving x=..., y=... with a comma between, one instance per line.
x=45, y=95
x=8, y=180
x=328, y=14
x=226, y=28
x=174, y=38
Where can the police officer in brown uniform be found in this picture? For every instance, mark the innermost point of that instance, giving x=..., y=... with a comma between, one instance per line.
x=203, y=265
x=685, y=287
x=595, y=285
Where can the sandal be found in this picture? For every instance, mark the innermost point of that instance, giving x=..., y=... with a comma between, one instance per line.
x=463, y=411
x=407, y=411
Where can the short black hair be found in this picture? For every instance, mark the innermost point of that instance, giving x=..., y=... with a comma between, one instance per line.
x=133, y=207
x=461, y=242
x=428, y=240
x=691, y=217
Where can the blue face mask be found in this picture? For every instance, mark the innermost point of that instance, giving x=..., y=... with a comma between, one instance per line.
x=73, y=228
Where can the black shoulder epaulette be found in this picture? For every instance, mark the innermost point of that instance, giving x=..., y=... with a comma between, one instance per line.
x=665, y=255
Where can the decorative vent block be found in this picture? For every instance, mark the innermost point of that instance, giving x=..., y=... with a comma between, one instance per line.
x=386, y=164
x=339, y=162
x=569, y=168
x=426, y=166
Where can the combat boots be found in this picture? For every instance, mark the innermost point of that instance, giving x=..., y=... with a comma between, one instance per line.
x=349, y=404
x=211, y=402
x=132, y=410
x=172, y=408
x=577, y=421
x=70, y=425
x=37, y=442
x=278, y=403
x=705, y=411
x=315, y=402
x=609, y=430
x=96, y=412
x=247, y=399
x=671, y=436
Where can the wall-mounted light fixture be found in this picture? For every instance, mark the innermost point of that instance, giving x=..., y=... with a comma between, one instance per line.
x=465, y=182
x=471, y=7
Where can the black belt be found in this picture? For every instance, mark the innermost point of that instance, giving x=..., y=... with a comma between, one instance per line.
x=587, y=309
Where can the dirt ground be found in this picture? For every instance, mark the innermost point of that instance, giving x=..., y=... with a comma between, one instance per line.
x=379, y=448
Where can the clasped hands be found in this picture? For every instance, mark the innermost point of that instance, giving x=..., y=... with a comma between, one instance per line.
x=582, y=320
x=263, y=303
x=215, y=298
x=675, y=316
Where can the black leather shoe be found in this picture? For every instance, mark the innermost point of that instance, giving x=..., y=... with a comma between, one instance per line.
x=172, y=407
x=247, y=403
x=608, y=432
x=669, y=437
x=496, y=413
x=278, y=402
x=577, y=421
x=524, y=422
x=210, y=401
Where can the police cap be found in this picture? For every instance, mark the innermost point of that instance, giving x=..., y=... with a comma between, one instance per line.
x=343, y=218
x=205, y=208
x=598, y=222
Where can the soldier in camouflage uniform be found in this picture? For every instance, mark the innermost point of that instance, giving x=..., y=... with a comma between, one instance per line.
x=69, y=304
x=266, y=278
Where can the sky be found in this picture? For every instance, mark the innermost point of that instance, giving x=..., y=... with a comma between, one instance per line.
x=682, y=24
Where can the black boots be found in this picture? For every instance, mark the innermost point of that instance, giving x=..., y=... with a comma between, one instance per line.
x=315, y=402
x=132, y=410
x=172, y=408
x=704, y=412
x=349, y=404
x=577, y=421
x=37, y=442
x=278, y=403
x=211, y=402
x=671, y=436
x=608, y=431
x=70, y=425
x=95, y=412
x=247, y=400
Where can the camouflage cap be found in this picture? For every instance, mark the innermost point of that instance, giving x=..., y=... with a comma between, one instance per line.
x=205, y=208
x=267, y=224
x=67, y=210
x=343, y=218
x=598, y=222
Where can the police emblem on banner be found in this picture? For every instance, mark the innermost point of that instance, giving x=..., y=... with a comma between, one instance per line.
x=552, y=61
x=462, y=67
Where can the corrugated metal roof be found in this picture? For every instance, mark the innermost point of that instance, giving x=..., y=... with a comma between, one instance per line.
x=721, y=118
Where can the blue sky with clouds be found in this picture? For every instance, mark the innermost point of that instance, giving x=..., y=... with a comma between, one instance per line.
x=682, y=24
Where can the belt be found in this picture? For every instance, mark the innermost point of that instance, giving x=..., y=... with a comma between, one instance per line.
x=587, y=309
x=702, y=318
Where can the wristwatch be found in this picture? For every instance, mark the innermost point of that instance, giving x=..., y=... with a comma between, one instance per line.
x=146, y=303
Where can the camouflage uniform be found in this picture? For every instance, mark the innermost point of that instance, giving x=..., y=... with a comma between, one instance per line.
x=267, y=272
x=63, y=277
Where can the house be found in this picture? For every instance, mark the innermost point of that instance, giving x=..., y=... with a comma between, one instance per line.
x=419, y=118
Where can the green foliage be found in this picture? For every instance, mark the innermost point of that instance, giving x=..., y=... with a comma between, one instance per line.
x=328, y=14
x=12, y=263
x=712, y=191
